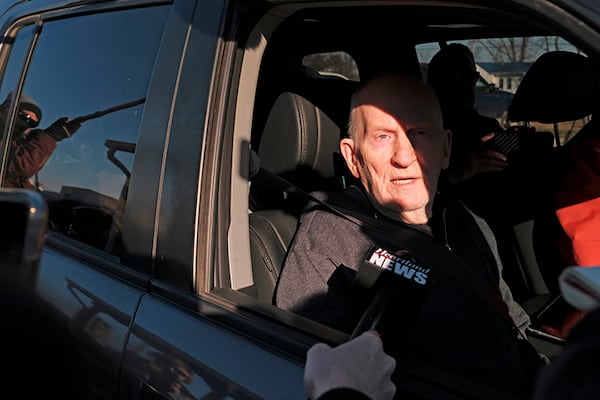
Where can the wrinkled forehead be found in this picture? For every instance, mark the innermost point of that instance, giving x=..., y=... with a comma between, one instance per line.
x=409, y=116
x=408, y=101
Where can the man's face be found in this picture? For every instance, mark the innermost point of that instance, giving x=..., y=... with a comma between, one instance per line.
x=24, y=122
x=463, y=81
x=398, y=151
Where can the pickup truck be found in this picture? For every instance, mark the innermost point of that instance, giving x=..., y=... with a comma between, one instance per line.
x=139, y=241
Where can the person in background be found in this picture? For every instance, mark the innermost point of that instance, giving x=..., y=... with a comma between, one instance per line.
x=478, y=173
x=502, y=187
x=453, y=76
x=30, y=147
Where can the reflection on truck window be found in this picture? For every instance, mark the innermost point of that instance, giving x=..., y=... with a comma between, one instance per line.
x=91, y=100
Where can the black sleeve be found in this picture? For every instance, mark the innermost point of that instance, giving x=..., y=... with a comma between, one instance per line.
x=343, y=394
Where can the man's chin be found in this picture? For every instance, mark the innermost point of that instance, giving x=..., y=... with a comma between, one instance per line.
x=413, y=213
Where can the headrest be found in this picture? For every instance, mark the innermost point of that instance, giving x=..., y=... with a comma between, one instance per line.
x=298, y=141
x=559, y=86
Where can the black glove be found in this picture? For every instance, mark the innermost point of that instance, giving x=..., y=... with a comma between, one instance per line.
x=62, y=129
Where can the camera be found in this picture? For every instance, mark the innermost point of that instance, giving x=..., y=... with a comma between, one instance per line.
x=509, y=140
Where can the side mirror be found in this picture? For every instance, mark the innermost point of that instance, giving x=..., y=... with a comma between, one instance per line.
x=24, y=216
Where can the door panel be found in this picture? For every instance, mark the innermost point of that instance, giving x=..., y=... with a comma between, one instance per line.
x=175, y=353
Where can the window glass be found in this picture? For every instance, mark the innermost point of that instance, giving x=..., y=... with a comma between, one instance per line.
x=83, y=167
x=334, y=64
x=502, y=63
x=13, y=69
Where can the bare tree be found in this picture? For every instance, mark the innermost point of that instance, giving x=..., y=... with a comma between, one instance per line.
x=520, y=49
x=506, y=49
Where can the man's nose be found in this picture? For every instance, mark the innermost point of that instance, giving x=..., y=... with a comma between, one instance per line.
x=404, y=152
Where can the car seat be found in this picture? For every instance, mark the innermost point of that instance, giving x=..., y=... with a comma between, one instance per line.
x=560, y=86
x=299, y=142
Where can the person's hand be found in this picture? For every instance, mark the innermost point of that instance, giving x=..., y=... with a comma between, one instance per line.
x=359, y=364
x=62, y=128
x=481, y=159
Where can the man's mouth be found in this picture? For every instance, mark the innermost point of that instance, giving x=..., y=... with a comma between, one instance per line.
x=403, y=181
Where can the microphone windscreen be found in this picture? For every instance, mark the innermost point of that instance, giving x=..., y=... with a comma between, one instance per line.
x=397, y=280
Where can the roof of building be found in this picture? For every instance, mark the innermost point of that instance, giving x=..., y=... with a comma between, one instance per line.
x=505, y=68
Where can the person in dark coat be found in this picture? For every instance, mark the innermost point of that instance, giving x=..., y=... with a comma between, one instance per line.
x=453, y=76
x=30, y=147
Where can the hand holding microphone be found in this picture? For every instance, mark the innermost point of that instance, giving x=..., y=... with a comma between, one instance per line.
x=359, y=364
x=384, y=279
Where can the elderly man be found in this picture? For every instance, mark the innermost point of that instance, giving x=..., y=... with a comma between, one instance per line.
x=450, y=339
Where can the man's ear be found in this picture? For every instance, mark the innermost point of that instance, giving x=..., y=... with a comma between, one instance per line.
x=447, y=148
x=348, y=152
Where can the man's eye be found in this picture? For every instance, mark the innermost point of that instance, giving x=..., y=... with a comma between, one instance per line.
x=417, y=132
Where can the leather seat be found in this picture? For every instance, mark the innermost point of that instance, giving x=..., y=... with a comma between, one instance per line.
x=300, y=143
x=559, y=87
x=271, y=232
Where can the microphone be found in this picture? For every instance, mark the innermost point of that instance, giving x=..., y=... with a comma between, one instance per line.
x=390, y=279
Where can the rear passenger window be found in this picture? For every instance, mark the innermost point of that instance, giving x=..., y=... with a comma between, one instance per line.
x=94, y=69
x=502, y=63
x=336, y=64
